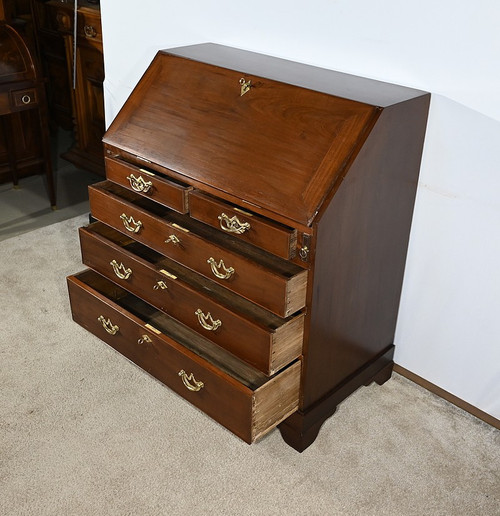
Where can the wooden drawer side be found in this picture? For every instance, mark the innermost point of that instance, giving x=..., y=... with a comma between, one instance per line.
x=166, y=349
x=276, y=400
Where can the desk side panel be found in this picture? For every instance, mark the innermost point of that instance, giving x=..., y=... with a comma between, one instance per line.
x=361, y=245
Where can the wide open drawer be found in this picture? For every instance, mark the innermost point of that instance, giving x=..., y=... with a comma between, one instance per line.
x=273, y=283
x=255, y=335
x=168, y=192
x=239, y=397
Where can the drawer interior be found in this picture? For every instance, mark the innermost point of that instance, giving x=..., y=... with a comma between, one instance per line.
x=223, y=360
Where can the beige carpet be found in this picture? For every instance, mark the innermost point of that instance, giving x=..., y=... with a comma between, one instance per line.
x=84, y=432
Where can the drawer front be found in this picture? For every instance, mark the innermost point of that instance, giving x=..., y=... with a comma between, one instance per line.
x=89, y=27
x=147, y=183
x=280, y=294
x=60, y=18
x=24, y=99
x=275, y=238
x=265, y=342
x=217, y=393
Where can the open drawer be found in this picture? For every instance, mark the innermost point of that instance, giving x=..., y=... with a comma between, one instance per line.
x=269, y=281
x=149, y=183
x=250, y=227
x=239, y=397
x=253, y=334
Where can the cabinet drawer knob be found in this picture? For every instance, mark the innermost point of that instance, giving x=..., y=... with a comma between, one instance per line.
x=145, y=339
x=232, y=224
x=108, y=325
x=130, y=224
x=172, y=239
x=195, y=386
x=120, y=270
x=138, y=184
x=25, y=99
x=207, y=321
x=217, y=267
x=89, y=31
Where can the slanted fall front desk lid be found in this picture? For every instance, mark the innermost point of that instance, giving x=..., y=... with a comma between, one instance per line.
x=278, y=146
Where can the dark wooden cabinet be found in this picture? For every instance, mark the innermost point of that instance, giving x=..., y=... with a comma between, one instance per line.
x=80, y=108
x=252, y=234
x=24, y=130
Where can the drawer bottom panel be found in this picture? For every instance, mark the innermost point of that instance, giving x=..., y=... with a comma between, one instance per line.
x=239, y=397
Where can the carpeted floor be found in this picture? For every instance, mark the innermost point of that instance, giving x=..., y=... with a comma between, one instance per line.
x=85, y=432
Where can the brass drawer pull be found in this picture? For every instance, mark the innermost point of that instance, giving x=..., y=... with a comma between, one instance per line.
x=160, y=284
x=144, y=339
x=195, y=386
x=130, y=224
x=89, y=31
x=120, y=270
x=138, y=184
x=172, y=239
x=211, y=325
x=232, y=224
x=228, y=271
x=25, y=99
x=108, y=325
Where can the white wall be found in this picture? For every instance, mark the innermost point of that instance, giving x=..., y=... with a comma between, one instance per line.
x=449, y=325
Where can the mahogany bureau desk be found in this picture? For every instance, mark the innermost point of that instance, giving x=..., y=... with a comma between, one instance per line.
x=251, y=235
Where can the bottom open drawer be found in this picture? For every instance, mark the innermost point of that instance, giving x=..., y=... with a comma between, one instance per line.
x=236, y=395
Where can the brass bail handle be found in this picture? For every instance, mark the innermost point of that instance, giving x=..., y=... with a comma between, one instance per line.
x=138, y=184
x=226, y=273
x=120, y=270
x=233, y=224
x=111, y=328
x=187, y=379
x=207, y=321
x=130, y=224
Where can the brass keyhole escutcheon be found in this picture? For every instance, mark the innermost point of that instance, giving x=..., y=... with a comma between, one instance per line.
x=245, y=86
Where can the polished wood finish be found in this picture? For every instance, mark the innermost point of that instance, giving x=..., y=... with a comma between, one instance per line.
x=232, y=142
x=360, y=251
x=165, y=191
x=301, y=429
x=24, y=134
x=258, y=337
x=81, y=107
x=239, y=397
x=324, y=168
x=269, y=282
x=50, y=24
x=267, y=234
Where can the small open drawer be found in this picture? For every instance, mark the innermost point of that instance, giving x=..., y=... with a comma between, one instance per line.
x=239, y=397
x=149, y=183
x=254, y=229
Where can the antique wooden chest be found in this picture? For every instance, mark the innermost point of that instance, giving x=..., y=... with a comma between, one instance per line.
x=252, y=234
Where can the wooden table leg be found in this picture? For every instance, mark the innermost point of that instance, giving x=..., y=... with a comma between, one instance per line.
x=11, y=148
x=44, y=130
